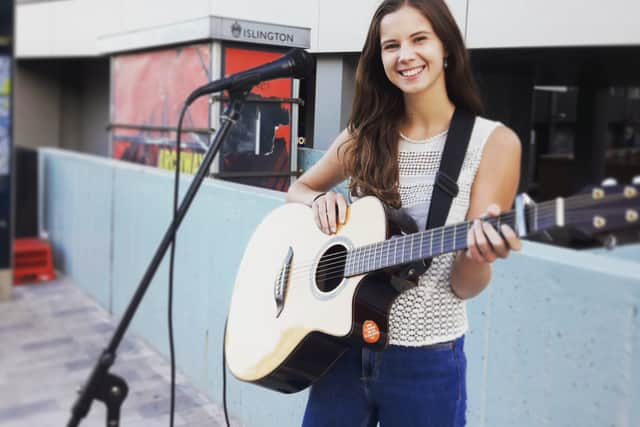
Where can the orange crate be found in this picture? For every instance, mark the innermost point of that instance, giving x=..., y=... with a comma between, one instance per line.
x=32, y=261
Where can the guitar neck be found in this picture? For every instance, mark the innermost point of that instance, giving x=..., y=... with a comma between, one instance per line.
x=437, y=241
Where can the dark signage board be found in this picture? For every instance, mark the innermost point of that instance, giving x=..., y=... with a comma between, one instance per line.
x=6, y=51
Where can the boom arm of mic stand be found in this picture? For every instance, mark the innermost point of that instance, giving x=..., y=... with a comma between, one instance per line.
x=102, y=385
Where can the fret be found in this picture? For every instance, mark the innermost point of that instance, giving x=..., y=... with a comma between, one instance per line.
x=354, y=259
x=535, y=217
x=435, y=243
x=403, y=246
x=363, y=254
x=388, y=251
x=372, y=257
x=453, y=243
x=395, y=252
x=430, y=244
x=421, y=244
x=411, y=247
x=374, y=263
x=442, y=240
x=364, y=259
x=375, y=256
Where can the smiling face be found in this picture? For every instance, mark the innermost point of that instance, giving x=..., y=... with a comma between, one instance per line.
x=412, y=54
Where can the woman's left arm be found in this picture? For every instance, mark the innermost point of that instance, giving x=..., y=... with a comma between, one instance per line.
x=492, y=192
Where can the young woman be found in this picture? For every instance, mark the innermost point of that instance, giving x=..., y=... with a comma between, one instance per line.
x=414, y=71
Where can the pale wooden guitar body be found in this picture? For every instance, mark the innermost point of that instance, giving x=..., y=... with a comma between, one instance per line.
x=288, y=349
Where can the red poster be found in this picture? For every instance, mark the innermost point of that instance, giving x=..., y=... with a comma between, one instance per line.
x=148, y=89
x=261, y=140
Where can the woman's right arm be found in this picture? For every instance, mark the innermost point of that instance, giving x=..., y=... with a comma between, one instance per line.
x=312, y=188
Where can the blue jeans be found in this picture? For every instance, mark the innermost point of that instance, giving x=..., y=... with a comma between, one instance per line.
x=399, y=387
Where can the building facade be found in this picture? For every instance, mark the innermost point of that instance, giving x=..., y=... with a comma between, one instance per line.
x=563, y=75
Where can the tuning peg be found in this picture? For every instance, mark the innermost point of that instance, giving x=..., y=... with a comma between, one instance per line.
x=610, y=241
x=636, y=180
x=609, y=182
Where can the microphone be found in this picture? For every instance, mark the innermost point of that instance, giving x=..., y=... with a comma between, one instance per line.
x=297, y=63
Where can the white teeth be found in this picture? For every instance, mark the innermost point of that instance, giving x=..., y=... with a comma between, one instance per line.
x=411, y=72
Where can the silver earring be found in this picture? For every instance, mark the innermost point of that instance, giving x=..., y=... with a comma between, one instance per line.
x=446, y=64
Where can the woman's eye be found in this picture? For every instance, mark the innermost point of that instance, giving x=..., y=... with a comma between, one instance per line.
x=390, y=46
x=420, y=39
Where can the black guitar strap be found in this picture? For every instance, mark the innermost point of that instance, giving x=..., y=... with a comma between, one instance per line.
x=446, y=184
x=444, y=190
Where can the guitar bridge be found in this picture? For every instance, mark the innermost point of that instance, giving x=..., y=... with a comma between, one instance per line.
x=280, y=288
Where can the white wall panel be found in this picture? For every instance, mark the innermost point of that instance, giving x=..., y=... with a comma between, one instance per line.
x=343, y=25
x=75, y=27
x=143, y=14
x=527, y=23
x=297, y=13
x=34, y=30
x=64, y=28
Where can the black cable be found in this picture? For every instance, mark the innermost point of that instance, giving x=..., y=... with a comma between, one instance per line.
x=172, y=356
x=224, y=375
x=170, y=293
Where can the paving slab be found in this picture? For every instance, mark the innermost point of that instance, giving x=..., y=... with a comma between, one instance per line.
x=50, y=336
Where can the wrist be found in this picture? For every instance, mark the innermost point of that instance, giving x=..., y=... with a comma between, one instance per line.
x=316, y=197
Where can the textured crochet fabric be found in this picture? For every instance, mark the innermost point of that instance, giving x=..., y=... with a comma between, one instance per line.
x=430, y=312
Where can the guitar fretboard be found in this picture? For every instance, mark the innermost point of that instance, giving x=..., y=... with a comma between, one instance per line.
x=430, y=243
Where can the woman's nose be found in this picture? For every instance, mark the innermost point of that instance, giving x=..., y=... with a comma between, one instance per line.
x=406, y=53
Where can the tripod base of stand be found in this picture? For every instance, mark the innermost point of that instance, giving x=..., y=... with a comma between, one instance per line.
x=112, y=392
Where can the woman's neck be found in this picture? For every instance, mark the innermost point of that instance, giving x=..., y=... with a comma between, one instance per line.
x=426, y=114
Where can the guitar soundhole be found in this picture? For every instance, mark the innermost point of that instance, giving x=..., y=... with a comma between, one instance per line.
x=330, y=271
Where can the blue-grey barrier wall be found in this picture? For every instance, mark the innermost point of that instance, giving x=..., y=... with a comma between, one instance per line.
x=554, y=340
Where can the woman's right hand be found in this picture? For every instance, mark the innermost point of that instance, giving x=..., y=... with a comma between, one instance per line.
x=328, y=209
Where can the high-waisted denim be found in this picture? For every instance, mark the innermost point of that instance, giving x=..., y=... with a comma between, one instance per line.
x=399, y=387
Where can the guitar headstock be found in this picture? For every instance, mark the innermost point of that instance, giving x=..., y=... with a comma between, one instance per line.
x=603, y=210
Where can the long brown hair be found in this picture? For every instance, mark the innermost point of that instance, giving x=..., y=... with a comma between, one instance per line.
x=378, y=106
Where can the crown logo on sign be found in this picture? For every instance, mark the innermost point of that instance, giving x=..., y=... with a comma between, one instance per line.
x=236, y=29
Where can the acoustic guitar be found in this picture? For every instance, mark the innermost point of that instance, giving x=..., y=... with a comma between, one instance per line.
x=302, y=298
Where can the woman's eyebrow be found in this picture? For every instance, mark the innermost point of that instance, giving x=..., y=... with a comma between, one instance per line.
x=390, y=39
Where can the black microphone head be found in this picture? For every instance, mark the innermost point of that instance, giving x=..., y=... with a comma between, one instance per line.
x=301, y=63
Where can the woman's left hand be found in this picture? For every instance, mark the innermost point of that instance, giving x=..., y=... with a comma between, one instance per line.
x=485, y=244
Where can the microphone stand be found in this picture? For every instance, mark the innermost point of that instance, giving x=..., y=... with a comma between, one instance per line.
x=102, y=385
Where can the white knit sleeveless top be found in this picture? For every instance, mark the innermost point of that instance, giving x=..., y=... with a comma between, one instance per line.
x=430, y=312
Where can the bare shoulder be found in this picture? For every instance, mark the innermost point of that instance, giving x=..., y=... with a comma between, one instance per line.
x=498, y=174
x=503, y=141
x=342, y=139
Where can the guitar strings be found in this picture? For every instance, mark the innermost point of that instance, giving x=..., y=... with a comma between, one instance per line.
x=537, y=210
x=336, y=262
x=338, y=272
x=408, y=239
x=540, y=215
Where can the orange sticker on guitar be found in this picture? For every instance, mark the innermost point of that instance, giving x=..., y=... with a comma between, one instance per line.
x=370, y=332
